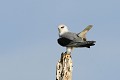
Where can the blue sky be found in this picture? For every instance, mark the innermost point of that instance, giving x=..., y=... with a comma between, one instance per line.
x=28, y=38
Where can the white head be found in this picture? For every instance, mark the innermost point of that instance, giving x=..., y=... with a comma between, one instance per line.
x=62, y=29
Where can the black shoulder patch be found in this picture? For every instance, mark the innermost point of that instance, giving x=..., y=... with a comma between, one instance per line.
x=63, y=41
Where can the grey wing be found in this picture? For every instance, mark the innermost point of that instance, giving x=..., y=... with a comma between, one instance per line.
x=69, y=35
x=82, y=44
x=72, y=36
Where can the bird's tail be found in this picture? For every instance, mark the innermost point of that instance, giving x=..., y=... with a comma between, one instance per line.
x=83, y=33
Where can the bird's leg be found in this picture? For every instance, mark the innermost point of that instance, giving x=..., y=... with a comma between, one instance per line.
x=72, y=49
x=69, y=50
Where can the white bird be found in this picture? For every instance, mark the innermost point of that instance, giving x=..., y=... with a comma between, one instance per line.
x=72, y=40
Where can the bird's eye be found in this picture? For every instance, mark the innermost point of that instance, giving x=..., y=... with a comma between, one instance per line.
x=62, y=27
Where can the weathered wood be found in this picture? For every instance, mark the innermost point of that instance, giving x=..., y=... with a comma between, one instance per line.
x=64, y=67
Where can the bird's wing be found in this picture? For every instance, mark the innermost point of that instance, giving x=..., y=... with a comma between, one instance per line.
x=82, y=34
x=81, y=44
x=68, y=38
x=69, y=35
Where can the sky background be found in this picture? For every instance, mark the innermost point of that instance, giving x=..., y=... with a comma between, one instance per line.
x=28, y=38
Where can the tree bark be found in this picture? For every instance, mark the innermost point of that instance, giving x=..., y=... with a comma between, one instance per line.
x=64, y=67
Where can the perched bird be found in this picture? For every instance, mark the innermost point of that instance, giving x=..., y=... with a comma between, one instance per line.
x=72, y=40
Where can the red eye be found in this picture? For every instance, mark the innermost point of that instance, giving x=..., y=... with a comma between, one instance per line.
x=62, y=27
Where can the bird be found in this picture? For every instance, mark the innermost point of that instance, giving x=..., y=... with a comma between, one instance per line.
x=72, y=40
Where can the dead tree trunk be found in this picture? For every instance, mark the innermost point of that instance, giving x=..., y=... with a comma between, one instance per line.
x=64, y=67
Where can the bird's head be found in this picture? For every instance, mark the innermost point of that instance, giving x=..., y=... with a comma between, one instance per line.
x=62, y=29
